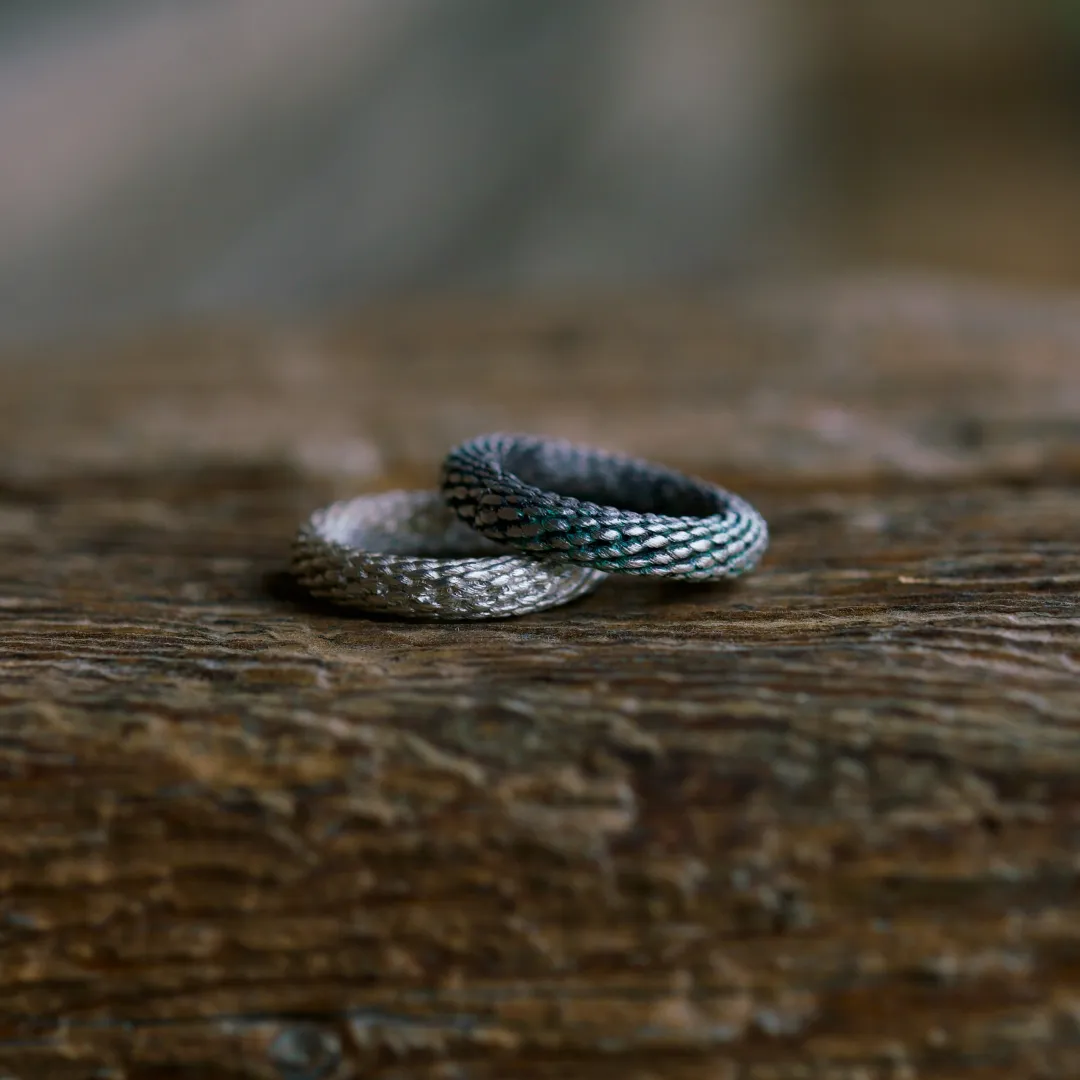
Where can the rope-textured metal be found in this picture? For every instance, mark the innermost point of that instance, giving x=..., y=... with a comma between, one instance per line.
x=404, y=553
x=614, y=513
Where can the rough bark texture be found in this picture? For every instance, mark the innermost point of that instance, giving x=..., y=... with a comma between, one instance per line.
x=824, y=823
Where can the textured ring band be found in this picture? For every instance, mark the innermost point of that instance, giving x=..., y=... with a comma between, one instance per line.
x=403, y=553
x=607, y=511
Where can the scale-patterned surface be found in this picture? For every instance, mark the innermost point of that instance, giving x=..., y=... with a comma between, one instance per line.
x=609, y=511
x=404, y=553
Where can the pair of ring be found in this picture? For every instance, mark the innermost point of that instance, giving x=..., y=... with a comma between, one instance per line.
x=523, y=524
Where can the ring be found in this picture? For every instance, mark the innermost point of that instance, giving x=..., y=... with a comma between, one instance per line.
x=404, y=553
x=607, y=511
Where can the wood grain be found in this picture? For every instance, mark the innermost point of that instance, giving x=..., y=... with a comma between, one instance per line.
x=824, y=823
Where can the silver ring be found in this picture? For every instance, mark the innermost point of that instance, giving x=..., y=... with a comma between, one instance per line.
x=611, y=512
x=404, y=553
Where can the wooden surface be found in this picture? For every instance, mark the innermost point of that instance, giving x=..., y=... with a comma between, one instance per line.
x=824, y=823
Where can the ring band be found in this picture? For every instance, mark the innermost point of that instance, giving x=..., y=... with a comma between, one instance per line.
x=403, y=553
x=607, y=511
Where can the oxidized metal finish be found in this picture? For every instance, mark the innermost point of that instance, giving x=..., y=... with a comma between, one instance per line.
x=607, y=511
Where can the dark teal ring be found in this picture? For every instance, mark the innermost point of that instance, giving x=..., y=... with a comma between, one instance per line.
x=557, y=500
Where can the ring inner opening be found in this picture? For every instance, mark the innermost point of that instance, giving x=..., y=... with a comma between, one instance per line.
x=606, y=482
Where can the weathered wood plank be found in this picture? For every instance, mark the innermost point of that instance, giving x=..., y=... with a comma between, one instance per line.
x=823, y=823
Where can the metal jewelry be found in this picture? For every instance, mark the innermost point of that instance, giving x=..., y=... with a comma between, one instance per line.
x=619, y=514
x=404, y=553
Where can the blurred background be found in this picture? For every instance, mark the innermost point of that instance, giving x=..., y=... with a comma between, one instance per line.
x=168, y=159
